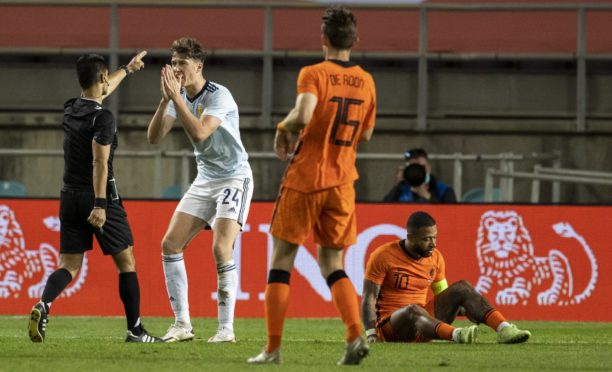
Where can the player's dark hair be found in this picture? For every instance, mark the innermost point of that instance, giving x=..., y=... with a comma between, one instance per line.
x=419, y=219
x=340, y=27
x=189, y=47
x=89, y=67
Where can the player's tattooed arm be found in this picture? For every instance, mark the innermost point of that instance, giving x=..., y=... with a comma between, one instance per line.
x=368, y=308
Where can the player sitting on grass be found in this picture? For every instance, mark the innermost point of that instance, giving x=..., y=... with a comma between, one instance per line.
x=395, y=307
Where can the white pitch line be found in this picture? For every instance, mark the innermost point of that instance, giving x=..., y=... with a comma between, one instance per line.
x=308, y=340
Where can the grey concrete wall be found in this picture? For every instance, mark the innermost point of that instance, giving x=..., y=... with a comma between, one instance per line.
x=474, y=108
x=42, y=175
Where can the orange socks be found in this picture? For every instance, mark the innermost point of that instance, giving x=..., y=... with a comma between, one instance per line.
x=277, y=301
x=494, y=318
x=445, y=331
x=345, y=300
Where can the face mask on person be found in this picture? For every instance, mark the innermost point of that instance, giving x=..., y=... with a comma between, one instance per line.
x=427, y=178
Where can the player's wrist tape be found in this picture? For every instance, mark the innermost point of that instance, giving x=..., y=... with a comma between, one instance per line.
x=100, y=203
x=126, y=69
x=281, y=126
x=371, y=332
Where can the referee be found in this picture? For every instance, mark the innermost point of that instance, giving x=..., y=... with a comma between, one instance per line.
x=89, y=202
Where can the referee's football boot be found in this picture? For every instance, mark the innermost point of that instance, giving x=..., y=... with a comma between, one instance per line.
x=512, y=335
x=266, y=358
x=143, y=337
x=38, y=323
x=355, y=352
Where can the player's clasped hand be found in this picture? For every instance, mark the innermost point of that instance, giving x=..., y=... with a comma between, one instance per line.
x=162, y=88
x=97, y=217
x=171, y=85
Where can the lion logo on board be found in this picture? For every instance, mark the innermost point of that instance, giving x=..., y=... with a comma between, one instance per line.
x=21, y=268
x=507, y=263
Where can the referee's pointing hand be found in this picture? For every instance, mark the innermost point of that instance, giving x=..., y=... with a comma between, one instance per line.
x=136, y=63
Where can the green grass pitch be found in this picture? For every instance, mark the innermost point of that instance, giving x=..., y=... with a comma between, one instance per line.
x=97, y=344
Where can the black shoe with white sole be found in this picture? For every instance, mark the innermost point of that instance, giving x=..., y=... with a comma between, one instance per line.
x=38, y=323
x=144, y=337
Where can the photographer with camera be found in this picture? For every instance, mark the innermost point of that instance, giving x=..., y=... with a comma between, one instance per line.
x=416, y=183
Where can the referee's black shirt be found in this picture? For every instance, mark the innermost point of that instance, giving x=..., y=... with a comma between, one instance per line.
x=85, y=120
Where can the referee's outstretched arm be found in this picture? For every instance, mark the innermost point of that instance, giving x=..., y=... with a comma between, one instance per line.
x=116, y=77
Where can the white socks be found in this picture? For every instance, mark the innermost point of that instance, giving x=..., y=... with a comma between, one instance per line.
x=176, y=284
x=501, y=326
x=456, y=334
x=227, y=286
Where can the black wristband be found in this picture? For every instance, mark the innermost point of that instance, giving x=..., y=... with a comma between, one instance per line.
x=100, y=203
x=124, y=68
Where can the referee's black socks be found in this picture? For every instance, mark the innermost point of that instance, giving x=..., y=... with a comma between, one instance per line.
x=129, y=291
x=56, y=283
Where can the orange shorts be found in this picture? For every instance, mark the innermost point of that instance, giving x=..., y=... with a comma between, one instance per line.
x=330, y=213
x=385, y=330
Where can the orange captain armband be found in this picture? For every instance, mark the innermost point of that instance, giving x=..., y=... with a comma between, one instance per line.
x=439, y=287
x=281, y=126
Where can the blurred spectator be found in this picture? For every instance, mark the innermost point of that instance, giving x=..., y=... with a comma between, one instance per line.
x=416, y=184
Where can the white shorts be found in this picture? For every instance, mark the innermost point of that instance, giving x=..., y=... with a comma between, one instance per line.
x=228, y=198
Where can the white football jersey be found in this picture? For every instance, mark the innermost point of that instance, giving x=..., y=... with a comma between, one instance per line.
x=221, y=155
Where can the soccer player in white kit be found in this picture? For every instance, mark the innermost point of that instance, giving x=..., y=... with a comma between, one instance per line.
x=219, y=197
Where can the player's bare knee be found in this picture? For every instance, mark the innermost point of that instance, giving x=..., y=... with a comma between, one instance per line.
x=329, y=260
x=328, y=267
x=462, y=287
x=222, y=253
x=170, y=247
x=464, y=284
x=412, y=312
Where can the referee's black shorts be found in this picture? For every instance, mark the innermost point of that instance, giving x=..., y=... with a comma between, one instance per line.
x=76, y=234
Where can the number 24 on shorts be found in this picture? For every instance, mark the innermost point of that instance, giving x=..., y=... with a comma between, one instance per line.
x=235, y=198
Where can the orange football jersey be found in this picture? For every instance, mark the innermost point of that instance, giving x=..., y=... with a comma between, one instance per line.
x=402, y=279
x=346, y=105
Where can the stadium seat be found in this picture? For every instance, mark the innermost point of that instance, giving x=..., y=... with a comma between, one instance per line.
x=12, y=188
x=172, y=192
x=477, y=195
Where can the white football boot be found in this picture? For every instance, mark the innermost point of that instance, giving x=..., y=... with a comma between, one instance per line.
x=266, y=358
x=355, y=352
x=223, y=335
x=176, y=333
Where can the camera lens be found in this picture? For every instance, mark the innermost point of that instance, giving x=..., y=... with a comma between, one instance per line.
x=414, y=174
